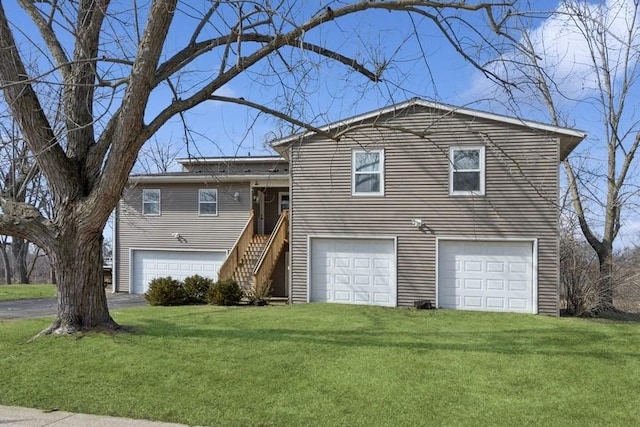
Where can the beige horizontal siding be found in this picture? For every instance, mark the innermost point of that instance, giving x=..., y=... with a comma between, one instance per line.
x=179, y=214
x=521, y=191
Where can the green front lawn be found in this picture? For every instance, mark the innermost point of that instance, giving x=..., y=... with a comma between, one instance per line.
x=315, y=364
x=15, y=292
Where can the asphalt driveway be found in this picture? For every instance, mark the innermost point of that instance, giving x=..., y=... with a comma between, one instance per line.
x=45, y=307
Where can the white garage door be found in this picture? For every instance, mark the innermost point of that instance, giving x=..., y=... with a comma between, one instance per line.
x=353, y=271
x=148, y=265
x=491, y=276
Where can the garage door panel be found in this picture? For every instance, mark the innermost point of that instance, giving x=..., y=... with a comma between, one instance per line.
x=361, y=280
x=492, y=275
x=472, y=284
x=353, y=271
x=473, y=302
x=382, y=298
x=518, y=267
x=150, y=264
x=518, y=303
x=518, y=285
x=495, y=267
x=496, y=303
x=472, y=267
x=361, y=297
x=364, y=263
x=382, y=281
x=496, y=285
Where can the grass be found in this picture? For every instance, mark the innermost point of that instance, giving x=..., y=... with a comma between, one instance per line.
x=15, y=292
x=316, y=364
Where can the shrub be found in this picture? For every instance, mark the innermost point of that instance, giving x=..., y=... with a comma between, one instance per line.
x=197, y=289
x=166, y=291
x=579, y=277
x=225, y=292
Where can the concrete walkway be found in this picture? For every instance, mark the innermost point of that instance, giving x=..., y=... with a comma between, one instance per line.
x=27, y=417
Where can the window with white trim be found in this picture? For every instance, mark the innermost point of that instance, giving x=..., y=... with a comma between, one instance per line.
x=208, y=201
x=466, y=170
x=151, y=202
x=367, y=172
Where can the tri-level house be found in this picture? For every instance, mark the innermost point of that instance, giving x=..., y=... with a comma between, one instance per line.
x=415, y=201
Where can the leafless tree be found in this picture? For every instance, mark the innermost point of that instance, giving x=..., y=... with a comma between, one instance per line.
x=6, y=263
x=19, y=176
x=110, y=59
x=157, y=157
x=597, y=71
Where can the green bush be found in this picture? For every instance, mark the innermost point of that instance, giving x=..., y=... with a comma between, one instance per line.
x=197, y=289
x=166, y=291
x=225, y=292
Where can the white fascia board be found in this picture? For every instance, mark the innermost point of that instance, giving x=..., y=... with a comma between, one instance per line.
x=443, y=107
x=176, y=179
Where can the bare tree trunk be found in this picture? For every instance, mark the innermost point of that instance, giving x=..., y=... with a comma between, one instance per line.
x=82, y=301
x=606, y=280
x=19, y=251
x=5, y=261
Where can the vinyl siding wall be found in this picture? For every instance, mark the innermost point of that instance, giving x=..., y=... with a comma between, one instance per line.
x=520, y=201
x=179, y=214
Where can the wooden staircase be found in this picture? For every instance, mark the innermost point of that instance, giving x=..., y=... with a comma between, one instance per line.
x=254, y=256
x=244, y=271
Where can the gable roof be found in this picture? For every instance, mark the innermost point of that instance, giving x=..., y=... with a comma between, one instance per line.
x=569, y=138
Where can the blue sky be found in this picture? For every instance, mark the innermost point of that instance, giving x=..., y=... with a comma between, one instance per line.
x=424, y=66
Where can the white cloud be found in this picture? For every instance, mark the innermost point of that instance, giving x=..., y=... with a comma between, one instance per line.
x=564, y=51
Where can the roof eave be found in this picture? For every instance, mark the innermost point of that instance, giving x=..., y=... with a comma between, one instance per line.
x=575, y=136
x=217, y=160
x=203, y=179
x=568, y=144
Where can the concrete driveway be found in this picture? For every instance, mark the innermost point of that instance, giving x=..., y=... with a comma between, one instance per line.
x=45, y=307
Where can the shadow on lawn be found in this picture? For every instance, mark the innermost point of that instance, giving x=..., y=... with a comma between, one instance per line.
x=515, y=341
x=619, y=316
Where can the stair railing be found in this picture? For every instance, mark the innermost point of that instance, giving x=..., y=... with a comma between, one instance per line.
x=269, y=258
x=239, y=248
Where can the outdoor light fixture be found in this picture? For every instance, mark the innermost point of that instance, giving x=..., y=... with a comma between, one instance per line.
x=236, y=196
x=417, y=222
x=176, y=236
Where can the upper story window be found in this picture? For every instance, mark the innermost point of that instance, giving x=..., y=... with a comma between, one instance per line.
x=208, y=201
x=467, y=170
x=150, y=201
x=368, y=172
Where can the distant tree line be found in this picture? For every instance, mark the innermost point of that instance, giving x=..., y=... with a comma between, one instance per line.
x=23, y=262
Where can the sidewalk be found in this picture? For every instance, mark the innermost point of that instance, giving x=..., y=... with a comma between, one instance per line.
x=26, y=417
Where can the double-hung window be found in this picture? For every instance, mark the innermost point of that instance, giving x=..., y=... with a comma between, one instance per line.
x=467, y=170
x=151, y=202
x=208, y=201
x=368, y=172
